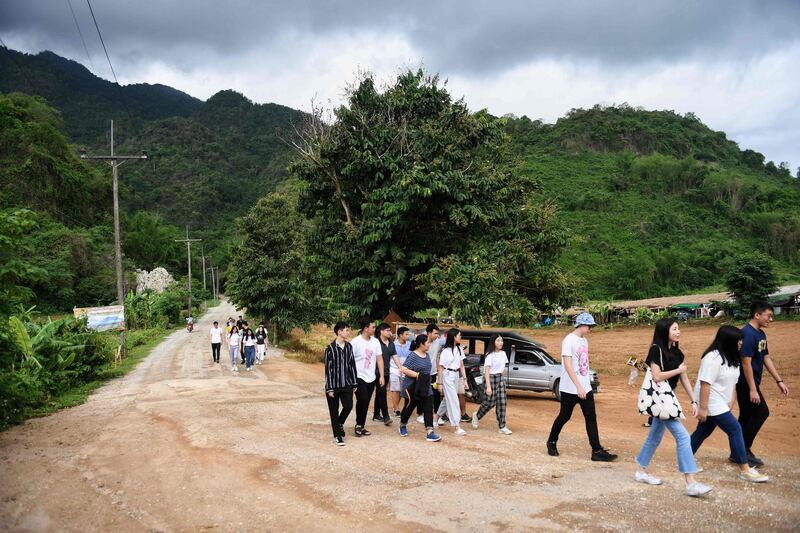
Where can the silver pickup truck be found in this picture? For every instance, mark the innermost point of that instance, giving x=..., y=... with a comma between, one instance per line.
x=530, y=367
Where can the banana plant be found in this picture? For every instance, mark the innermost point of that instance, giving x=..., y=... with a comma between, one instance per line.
x=44, y=348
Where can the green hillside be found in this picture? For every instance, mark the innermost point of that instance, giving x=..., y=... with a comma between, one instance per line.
x=658, y=203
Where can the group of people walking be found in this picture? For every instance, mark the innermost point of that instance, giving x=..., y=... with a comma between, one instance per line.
x=243, y=343
x=428, y=376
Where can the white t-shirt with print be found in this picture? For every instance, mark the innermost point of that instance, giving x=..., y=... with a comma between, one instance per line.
x=216, y=335
x=722, y=379
x=451, y=358
x=366, y=353
x=575, y=352
x=497, y=362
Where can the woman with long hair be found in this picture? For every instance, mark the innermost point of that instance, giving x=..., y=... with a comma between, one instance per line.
x=495, y=391
x=233, y=342
x=249, y=343
x=716, y=390
x=665, y=360
x=451, y=374
x=417, y=387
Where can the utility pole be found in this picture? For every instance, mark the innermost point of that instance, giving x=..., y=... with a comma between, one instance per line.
x=116, y=161
x=203, y=252
x=189, y=242
x=213, y=282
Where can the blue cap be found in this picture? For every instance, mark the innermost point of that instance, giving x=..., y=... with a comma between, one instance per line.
x=585, y=319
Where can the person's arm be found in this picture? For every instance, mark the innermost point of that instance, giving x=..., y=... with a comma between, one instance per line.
x=381, y=369
x=687, y=386
x=659, y=376
x=774, y=373
x=440, y=370
x=747, y=370
x=410, y=373
x=573, y=376
x=328, y=368
x=396, y=359
x=705, y=392
x=488, y=382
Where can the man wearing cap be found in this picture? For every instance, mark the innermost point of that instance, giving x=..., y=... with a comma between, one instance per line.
x=576, y=388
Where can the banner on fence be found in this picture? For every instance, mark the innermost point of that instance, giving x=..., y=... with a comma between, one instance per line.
x=102, y=318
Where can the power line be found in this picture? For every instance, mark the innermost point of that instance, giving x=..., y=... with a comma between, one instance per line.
x=102, y=41
x=78, y=26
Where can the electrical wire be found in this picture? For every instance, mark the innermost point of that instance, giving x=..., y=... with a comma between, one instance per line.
x=99, y=34
x=83, y=41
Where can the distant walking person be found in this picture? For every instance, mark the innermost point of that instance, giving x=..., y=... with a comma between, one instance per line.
x=576, y=389
x=233, y=342
x=753, y=409
x=367, y=354
x=381, y=410
x=436, y=342
x=262, y=342
x=341, y=380
x=249, y=342
x=402, y=347
x=715, y=390
x=666, y=362
x=451, y=375
x=216, y=341
x=495, y=393
x=242, y=330
x=417, y=388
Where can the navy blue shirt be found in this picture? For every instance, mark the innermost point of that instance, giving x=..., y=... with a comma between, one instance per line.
x=754, y=344
x=417, y=364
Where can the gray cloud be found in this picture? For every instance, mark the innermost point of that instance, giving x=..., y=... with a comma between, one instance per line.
x=538, y=58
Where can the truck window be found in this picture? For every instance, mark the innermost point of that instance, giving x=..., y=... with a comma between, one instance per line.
x=527, y=358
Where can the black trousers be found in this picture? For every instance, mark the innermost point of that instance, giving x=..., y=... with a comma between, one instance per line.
x=215, y=351
x=437, y=398
x=338, y=418
x=241, y=351
x=363, y=396
x=751, y=416
x=411, y=404
x=381, y=408
x=568, y=403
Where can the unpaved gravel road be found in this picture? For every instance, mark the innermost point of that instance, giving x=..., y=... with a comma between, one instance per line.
x=182, y=445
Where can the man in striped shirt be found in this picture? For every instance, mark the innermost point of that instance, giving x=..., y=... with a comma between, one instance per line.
x=340, y=380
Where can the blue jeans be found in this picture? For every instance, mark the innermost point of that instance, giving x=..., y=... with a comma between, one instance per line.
x=250, y=355
x=727, y=423
x=234, y=354
x=686, y=462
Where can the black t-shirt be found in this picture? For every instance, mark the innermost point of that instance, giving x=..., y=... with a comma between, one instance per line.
x=260, y=336
x=672, y=360
x=387, y=351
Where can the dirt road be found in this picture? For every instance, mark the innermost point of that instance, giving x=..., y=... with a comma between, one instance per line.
x=182, y=445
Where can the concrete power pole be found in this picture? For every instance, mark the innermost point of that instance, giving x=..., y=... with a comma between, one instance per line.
x=116, y=161
x=203, y=252
x=189, y=242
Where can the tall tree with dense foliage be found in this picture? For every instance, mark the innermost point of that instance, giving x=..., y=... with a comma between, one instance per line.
x=751, y=278
x=269, y=272
x=407, y=184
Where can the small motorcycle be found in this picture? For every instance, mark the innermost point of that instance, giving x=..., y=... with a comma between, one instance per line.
x=190, y=327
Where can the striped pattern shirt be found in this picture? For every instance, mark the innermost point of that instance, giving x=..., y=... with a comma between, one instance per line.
x=340, y=367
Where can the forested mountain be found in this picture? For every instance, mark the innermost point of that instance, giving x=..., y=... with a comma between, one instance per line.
x=655, y=202
x=658, y=203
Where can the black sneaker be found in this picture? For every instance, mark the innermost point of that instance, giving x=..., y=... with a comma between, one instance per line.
x=551, y=448
x=387, y=421
x=341, y=431
x=603, y=455
x=753, y=460
x=359, y=431
x=377, y=418
x=397, y=414
x=466, y=418
x=339, y=441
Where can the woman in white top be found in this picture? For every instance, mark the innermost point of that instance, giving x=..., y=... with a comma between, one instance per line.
x=249, y=344
x=451, y=372
x=496, y=395
x=233, y=341
x=716, y=390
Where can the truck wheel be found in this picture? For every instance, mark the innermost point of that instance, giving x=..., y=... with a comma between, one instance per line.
x=557, y=389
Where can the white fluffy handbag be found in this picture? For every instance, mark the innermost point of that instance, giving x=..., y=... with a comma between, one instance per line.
x=658, y=399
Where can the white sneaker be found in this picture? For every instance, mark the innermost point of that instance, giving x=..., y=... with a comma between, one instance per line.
x=697, y=489
x=475, y=421
x=753, y=476
x=505, y=431
x=441, y=421
x=460, y=432
x=644, y=477
x=420, y=419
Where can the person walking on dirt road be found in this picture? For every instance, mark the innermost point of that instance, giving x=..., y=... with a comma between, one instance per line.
x=666, y=362
x=402, y=347
x=216, y=341
x=575, y=389
x=249, y=342
x=367, y=353
x=753, y=409
x=496, y=394
x=381, y=408
x=451, y=374
x=262, y=341
x=233, y=343
x=341, y=380
x=715, y=389
x=417, y=389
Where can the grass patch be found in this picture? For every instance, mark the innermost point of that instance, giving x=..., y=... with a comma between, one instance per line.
x=307, y=347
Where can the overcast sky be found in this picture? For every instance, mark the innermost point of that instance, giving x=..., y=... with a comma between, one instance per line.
x=734, y=63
